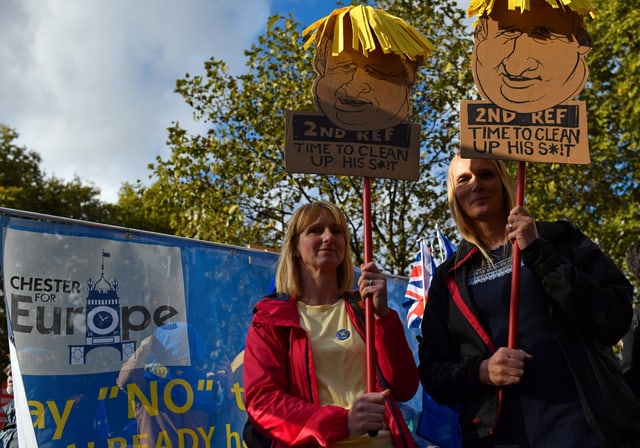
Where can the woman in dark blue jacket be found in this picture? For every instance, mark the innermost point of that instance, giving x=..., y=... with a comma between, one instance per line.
x=561, y=386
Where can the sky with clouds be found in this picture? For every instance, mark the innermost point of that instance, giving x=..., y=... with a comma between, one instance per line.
x=89, y=84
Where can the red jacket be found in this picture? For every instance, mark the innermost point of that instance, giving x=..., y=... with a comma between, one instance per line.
x=281, y=393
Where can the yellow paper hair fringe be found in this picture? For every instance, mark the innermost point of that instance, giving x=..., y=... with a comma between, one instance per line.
x=370, y=27
x=482, y=7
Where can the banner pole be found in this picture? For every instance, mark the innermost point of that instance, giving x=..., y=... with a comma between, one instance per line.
x=515, y=266
x=368, y=301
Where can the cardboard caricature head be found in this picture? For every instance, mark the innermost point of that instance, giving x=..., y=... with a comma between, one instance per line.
x=529, y=59
x=365, y=64
x=362, y=92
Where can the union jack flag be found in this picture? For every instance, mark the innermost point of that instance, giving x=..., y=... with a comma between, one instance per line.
x=415, y=298
x=422, y=269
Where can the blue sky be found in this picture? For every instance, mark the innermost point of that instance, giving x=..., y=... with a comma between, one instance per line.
x=88, y=84
x=306, y=11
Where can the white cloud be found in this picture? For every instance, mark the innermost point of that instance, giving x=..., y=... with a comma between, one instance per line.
x=88, y=84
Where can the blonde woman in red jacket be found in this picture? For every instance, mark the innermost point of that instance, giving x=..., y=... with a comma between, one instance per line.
x=304, y=365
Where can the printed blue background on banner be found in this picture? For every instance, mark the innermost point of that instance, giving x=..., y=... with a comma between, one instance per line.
x=132, y=339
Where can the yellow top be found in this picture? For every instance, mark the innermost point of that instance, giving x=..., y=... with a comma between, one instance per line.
x=370, y=27
x=339, y=357
x=481, y=7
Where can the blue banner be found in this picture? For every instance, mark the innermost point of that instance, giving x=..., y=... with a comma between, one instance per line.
x=123, y=338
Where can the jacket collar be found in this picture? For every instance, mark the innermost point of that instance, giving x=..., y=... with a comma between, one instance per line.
x=464, y=252
x=278, y=310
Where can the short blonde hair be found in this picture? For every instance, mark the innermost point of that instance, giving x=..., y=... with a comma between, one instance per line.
x=466, y=226
x=288, y=275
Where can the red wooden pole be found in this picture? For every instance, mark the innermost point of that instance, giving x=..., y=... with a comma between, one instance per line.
x=368, y=301
x=515, y=267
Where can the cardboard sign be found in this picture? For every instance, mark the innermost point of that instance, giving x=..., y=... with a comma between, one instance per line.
x=315, y=145
x=528, y=65
x=365, y=64
x=554, y=135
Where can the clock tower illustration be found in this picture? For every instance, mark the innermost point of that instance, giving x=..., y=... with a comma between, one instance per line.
x=103, y=320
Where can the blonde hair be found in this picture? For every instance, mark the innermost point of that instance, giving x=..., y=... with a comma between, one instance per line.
x=288, y=274
x=466, y=226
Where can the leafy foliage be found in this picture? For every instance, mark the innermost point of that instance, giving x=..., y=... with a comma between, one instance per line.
x=141, y=207
x=230, y=185
x=20, y=176
x=24, y=186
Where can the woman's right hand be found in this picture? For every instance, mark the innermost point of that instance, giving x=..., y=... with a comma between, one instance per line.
x=373, y=283
x=521, y=226
x=504, y=368
x=367, y=413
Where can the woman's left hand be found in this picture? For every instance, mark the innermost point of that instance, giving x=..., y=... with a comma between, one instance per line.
x=373, y=283
x=521, y=227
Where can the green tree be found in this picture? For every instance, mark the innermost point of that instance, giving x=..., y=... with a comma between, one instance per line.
x=230, y=184
x=72, y=199
x=20, y=175
x=24, y=186
x=143, y=208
